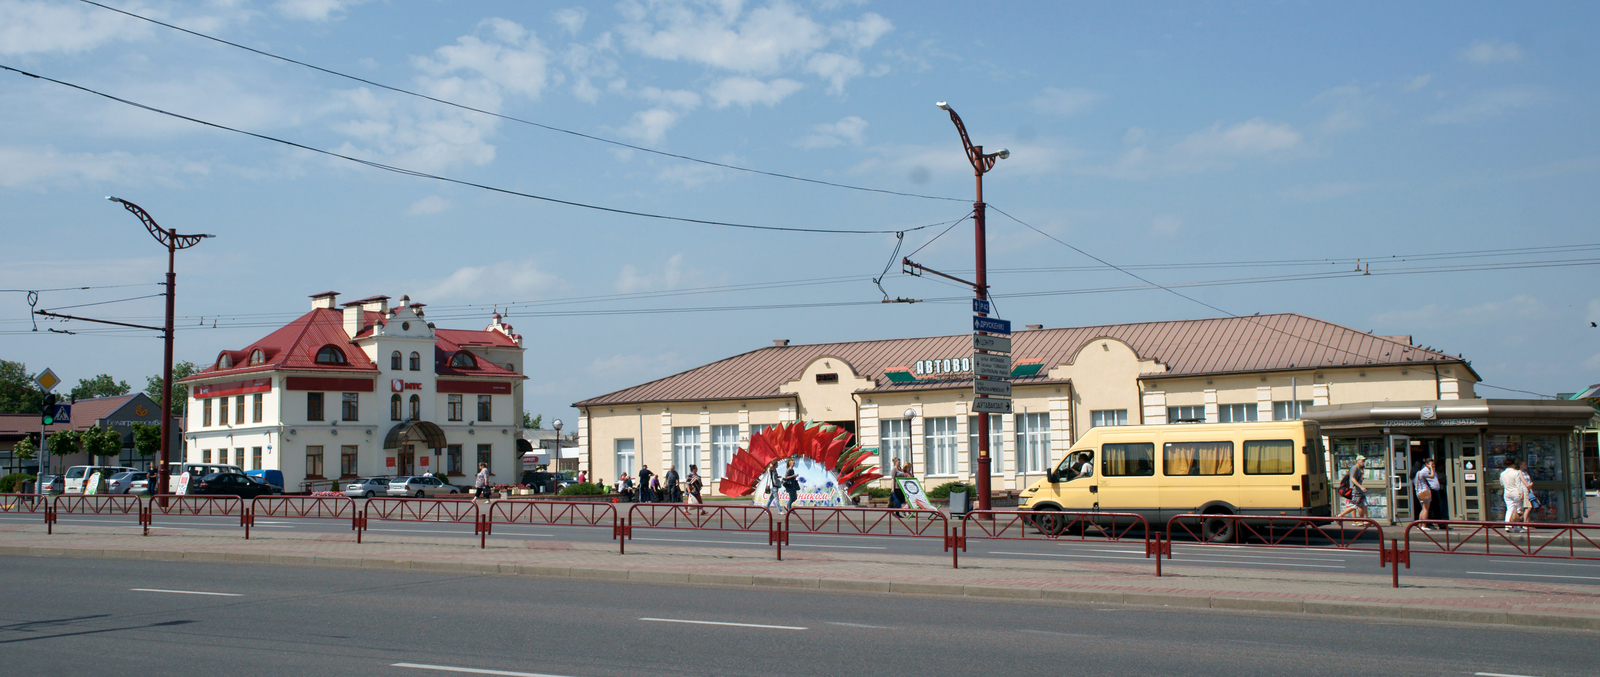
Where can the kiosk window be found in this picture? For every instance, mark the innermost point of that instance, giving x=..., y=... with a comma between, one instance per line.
x=1133, y=459
x=1197, y=458
x=1269, y=457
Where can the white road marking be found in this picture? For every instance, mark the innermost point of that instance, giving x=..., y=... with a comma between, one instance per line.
x=1058, y=634
x=736, y=625
x=696, y=540
x=188, y=592
x=1496, y=674
x=1057, y=554
x=1496, y=573
x=474, y=671
x=453, y=533
x=824, y=545
x=1314, y=559
x=859, y=625
x=1179, y=559
x=1533, y=561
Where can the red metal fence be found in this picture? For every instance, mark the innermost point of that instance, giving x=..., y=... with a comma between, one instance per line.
x=308, y=507
x=199, y=506
x=19, y=503
x=902, y=522
x=1055, y=525
x=95, y=504
x=1535, y=539
x=700, y=517
x=556, y=513
x=425, y=510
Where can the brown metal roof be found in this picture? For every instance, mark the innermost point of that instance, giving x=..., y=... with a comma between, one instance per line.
x=1187, y=347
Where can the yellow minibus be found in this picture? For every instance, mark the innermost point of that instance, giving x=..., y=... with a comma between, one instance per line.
x=1157, y=471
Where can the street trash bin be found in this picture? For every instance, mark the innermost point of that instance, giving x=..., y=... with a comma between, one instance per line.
x=958, y=502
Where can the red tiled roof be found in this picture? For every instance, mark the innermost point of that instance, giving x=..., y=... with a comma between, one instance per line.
x=1187, y=348
x=444, y=350
x=474, y=337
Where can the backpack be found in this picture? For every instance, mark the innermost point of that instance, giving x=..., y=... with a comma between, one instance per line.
x=1344, y=487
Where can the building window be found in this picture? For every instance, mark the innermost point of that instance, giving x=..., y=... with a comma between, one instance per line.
x=255, y=458
x=352, y=407
x=997, y=441
x=394, y=407
x=1132, y=459
x=484, y=408
x=724, y=442
x=685, y=448
x=1033, y=442
x=1289, y=410
x=1194, y=414
x=205, y=412
x=1196, y=458
x=1236, y=413
x=347, y=460
x=1108, y=417
x=255, y=408
x=238, y=410
x=224, y=362
x=485, y=452
x=625, y=458
x=756, y=428
x=453, y=407
x=462, y=360
x=394, y=361
x=939, y=445
x=314, y=461
x=894, y=442
x=330, y=355
x=416, y=361
x=416, y=408
x=1269, y=457
x=257, y=357
x=238, y=457
x=313, y=406
x=453, y=459
x=205, y=455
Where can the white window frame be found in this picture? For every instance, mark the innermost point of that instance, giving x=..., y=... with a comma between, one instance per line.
x=1237, y=413
x=685, y=448
x=1196, y=411
x=1033, y=442
x=1108, y=417
x=627, y=457
x=894, y=442
x=724, y=443
x=939, y=441
x=997, y=444
x=1289, y=410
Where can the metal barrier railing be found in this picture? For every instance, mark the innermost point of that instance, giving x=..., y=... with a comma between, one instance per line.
x=309, y=507
x=19, y=503
x=1549, y=540
x=555, y=513
x=1280, y=531
x=426, y=510
x=1054, y=525
x=897, y=522
x=96, y=504
x=198, y=506
x=700, y=517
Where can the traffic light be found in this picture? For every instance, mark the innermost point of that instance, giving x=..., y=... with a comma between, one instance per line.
x=48, y=417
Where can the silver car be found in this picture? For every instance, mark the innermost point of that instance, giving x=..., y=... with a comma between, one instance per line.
x=419, y=486
x=121, y=482
x=367, y=487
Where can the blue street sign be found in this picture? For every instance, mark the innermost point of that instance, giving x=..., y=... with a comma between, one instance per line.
x=980, y=306
x=991, y=325
x=63, y=413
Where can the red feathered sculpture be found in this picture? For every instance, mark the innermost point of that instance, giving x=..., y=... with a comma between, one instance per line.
x=823, y=443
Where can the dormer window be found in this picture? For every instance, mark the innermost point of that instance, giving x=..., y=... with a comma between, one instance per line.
x=463, y=360
x=257, y=357
x=224, y=362
x=331, y=355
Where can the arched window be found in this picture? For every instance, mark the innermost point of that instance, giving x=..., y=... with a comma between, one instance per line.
x=416, y=361
x=257, y=357
x=394, y=361
x=416, y=407
x=463, y=360
x=394, y=402
x=223, y=361
x=330, y=355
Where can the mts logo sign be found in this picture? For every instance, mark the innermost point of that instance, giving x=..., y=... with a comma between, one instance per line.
x=398, y=385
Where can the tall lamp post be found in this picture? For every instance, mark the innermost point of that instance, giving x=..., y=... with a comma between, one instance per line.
x=173, y=242
x=981, y=164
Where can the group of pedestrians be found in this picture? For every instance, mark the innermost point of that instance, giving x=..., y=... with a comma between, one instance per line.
x=790, y=483
x=670, y=487
x=1517, y=487
x=1428, y=491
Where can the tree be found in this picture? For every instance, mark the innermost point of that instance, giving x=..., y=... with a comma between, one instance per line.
x=180, y=391
x=65, y=442
x=100, y=386
x=146, y=439
x=101, y=443
x=23, y=450
x=531, y=422
x=18, y=394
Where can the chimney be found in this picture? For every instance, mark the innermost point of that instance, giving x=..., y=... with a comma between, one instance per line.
x=324, y=300
x=352, y=319
x=1034, y=326
x=780, y=342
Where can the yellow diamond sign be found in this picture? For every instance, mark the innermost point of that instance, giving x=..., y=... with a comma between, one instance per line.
x=47, y=380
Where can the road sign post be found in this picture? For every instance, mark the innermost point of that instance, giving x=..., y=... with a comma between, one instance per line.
x=991, y=405
x=991, y=325
x=990, y=343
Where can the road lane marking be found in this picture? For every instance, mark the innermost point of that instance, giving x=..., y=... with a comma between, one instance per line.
x=736, y=625
x=474, y=671
x=1496, y=674
x=1496, y=573
x=1532, y=561
x=454, y=533
x=187, y=592
x=1058, y=634
x=1192, y=561
x=824, y=545
x=859, y=625
x=1314, y=559
x=696, y=540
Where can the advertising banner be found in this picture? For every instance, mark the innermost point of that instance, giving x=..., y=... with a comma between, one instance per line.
x=912, y=490
x=819, y=488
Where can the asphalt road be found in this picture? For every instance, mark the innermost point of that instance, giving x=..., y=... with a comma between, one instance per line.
x=1501, y=568
x=85, y=616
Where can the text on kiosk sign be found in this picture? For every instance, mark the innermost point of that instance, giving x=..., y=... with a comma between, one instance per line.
x=951, y=365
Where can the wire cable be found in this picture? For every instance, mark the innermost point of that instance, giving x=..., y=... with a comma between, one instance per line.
x=509, y=118
x=101, y=303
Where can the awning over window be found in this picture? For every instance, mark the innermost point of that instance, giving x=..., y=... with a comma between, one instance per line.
x=524, y=446
x=425, y=432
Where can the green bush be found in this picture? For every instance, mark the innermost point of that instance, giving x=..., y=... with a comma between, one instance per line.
x=582, y=489
x=873, y=492
x=10, y=484
x=943, y=490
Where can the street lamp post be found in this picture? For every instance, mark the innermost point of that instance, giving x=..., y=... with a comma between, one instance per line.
x=981, y=163
x=555, y=445
x=173, y=242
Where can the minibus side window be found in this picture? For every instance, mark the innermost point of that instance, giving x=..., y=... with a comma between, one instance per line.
x=1196, y=458
x=1132, y=459
x=1269, y=457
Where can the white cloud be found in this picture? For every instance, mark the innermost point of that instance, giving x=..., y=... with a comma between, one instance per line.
x=630, y=280
x=500, y=279
x=1321, y=192
x=39, y=168
x=637, y=367
x=431, y=204
x=651, y=125
x=1419, y=82
x=1491, y=104
x=514, y=60
x=759, y=42
x=1053, y=101
x=1491, y=51
x=837, y=69
x=921, y=162
x=746, y=91
x=314, y=10
x=571, y=19
x=1348, y=108
x=849, y=129
x=861, y=34
x=46, y=27
x=1211, y=149
x=1165, y=225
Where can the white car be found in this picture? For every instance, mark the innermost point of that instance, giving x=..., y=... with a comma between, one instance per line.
x=420, y=486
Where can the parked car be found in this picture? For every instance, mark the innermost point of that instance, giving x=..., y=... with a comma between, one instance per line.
x=419, y=486
x=122, y=482
x=272, y=477
x=367, y=487
x=53, y=484
x=228, y=484
x=272, y=489
x=140, y=487
x=79, y=475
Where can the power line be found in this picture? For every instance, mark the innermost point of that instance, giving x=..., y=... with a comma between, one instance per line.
x=460, y=182
x=509, y=118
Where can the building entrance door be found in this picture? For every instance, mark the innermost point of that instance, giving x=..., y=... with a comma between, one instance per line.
x=407, y=461
x=1439, y=506
x=1463, y=477
x=1400, y=499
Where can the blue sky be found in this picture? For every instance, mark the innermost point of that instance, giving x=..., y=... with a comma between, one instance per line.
x=1451, y=147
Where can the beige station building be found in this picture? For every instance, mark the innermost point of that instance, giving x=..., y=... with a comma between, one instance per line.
x=910, y=399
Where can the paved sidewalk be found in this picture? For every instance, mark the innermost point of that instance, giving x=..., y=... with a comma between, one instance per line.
x=1133, y=582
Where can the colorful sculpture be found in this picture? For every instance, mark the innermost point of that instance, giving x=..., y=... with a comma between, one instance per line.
x=825, y=444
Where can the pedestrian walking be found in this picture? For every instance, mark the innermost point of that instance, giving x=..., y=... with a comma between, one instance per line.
x=645, y=478
x=695, y=484
x=670, y=482
x=1350, y=488
x=772, y=486
x=1512, y=490
x=1530, y=501
x=1426, y=489
x=582, y=477
x=481, y=483
x=791, y=484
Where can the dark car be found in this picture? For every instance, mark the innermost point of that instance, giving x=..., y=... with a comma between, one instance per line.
x=229, y=484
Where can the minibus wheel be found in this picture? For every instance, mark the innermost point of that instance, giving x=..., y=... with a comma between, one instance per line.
x=1218, y=530
x=1049, y=522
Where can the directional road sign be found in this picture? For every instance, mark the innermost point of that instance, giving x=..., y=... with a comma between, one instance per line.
x=991, y=325
x=994, y=388
x=991, y=405
x=991, y=366
x=980, y=306
x=47, y=380
x=993, y=344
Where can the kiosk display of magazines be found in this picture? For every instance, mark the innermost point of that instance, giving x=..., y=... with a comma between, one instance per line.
x=1376, y=480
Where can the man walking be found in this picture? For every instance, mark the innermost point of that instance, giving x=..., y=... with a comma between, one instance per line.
x=670, y=485
x=646, y=495
x=481, y=484
x=1356, y=501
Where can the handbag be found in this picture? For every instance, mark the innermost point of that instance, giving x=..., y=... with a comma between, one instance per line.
x=1530, y=502
x=1425, y=495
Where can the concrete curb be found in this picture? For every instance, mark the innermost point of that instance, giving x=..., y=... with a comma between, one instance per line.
x=1148, y=599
